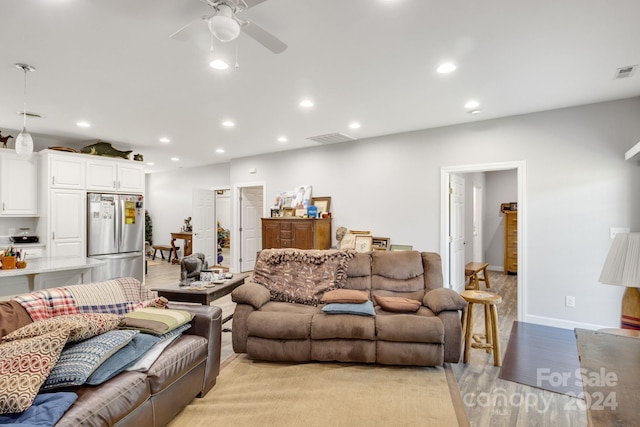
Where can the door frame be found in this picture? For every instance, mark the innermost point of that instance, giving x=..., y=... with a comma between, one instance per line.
x=235, y=219
x=520, y=167
x=215, y=220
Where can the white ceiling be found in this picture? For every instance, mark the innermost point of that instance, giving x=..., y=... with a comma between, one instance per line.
x=111, y=62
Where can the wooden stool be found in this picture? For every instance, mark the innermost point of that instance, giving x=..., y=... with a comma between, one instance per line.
x=163, y=248
x=471, y=270
x=490, y=341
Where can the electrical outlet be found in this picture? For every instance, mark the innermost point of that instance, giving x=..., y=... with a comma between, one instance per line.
x=570, y=301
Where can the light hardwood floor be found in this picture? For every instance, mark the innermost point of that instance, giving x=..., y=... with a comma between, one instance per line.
x=489, y=400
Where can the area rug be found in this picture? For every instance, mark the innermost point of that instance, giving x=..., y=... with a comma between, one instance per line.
x=543, y=357
x=251, y=393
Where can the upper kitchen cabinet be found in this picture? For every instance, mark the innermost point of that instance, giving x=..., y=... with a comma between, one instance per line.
x=115, y=175
x=18, y=184
x=63, y=170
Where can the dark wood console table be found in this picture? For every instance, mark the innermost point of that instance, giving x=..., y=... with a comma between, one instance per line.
x=187, y=237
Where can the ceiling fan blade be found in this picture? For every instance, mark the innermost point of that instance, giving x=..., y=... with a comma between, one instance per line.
x=263, y=37
x=188, y=31
x=251, y=3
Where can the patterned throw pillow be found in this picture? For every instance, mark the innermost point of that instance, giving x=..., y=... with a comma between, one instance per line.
x=80, y=326
x=79, y=360
x=24, y=366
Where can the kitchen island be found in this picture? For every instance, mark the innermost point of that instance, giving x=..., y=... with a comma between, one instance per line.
x=42, y=273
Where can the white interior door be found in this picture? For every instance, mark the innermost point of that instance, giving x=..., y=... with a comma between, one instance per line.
x=478, y=218
x=456, y=232
x=202, y=221
x=251, y=207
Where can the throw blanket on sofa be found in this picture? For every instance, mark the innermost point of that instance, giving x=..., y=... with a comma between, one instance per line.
x=118, y=296
x=301, y=276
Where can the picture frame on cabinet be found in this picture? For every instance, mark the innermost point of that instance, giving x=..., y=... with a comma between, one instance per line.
x=290, y=212
x=322, y=203
x=401, y=247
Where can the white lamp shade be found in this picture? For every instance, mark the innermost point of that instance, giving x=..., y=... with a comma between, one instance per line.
x=622, y=266
x=24, y=143
x=224, y=28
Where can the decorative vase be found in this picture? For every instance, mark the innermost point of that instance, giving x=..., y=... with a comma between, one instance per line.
x=8, y=262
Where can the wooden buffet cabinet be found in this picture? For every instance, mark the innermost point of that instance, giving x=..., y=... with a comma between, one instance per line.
x=299, y=233
x=510, y=241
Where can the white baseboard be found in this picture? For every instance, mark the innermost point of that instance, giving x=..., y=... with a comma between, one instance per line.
x=564, y=324
x=495, y=268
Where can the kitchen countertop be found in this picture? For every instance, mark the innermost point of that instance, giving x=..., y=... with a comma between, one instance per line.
x=48, y=265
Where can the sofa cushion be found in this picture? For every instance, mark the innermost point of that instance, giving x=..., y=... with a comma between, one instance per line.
x=80, y=326
x=280, y=325
x=251, y=293
x=325, y=326
x=397, y=304
x=12, y=316
x=444, y=299
x=345, y=296
x=409, y=328
x=24, y=366
x=155, y=320
x=301, y=276
x=79, y=360
x=363, y=309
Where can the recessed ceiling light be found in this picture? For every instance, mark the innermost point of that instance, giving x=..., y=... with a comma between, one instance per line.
x=150, y=164
x=218, y=64
x=165, y=140
x=220, y=150
x=228, y=124
x=175, y=159
x=83, y=124
x=475, y=111
x=355, y=125
x=471, y=104
x=306, y=103
x=282, y=139
x=446, y=68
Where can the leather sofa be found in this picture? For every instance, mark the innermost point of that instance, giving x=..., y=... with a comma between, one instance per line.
x=186, y=369
x=284, y=331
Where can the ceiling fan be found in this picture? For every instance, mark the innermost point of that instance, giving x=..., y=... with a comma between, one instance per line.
x=225, y=25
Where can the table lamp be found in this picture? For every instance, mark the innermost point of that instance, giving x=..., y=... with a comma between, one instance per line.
x=622, y=268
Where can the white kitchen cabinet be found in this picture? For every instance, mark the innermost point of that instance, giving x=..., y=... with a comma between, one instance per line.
x=114, y=175
x=67, y=231
x=18, y=184
x=65, y=170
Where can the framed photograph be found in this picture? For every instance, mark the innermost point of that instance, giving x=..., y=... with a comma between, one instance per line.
x=363, y=243
x=401, y=247
x=322, y=203
x=300, y=212
x=289, y=212
x=348, y=241
x=380, y=243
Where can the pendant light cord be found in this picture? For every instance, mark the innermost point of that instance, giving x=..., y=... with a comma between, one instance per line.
x=24, y=103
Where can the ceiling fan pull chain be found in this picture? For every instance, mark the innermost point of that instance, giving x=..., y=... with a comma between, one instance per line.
x=237, y=64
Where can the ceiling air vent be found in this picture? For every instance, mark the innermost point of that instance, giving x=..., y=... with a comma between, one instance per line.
x=624, y=72
x=332, y=138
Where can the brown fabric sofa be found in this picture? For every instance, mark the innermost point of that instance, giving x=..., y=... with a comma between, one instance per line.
x=186, y=369
x=287, y=331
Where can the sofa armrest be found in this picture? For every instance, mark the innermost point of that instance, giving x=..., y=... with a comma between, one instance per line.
x=251, y=293
x=207, y=322
x=442, y=299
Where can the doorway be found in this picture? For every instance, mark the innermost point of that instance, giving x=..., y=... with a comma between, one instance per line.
x=248, y=210
x=222, y=209
x=448, y=262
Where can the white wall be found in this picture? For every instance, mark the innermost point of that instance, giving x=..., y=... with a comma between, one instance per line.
x=501, y=187
x=169, y=196
x=578, y=185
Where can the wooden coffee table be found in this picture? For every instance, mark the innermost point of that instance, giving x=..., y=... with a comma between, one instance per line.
x=202, y=296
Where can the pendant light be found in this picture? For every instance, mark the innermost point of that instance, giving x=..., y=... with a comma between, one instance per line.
x=24, y=141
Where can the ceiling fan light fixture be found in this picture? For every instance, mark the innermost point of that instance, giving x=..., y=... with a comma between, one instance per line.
x=218, y=64
x=223, y=26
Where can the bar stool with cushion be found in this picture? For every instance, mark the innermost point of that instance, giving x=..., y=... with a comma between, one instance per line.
x=490, y=341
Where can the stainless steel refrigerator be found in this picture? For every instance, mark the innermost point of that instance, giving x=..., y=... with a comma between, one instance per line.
x=115, y=228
